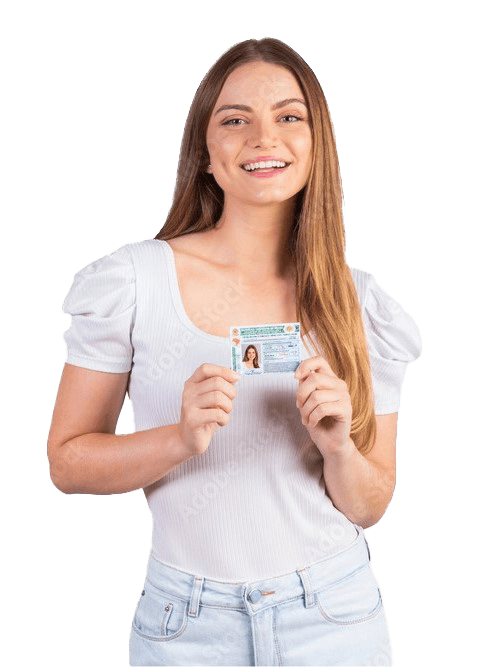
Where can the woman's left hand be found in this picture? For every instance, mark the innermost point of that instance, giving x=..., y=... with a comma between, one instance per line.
x=321, y=394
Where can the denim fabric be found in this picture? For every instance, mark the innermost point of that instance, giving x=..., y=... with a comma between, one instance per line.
x=328, y=613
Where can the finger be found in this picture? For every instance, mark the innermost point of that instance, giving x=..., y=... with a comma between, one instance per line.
x=215, y=399
x=209, y=370
x=316, y=397
x=319, y=397
x=316, y=364
x=204, y=393
x=334, y=409
x=211, y=415
x=216, y=383
x=314, y=382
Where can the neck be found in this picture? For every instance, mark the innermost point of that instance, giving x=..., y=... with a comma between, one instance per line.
x=254, y=239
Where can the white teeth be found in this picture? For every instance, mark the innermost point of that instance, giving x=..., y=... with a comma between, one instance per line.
x=264, y=165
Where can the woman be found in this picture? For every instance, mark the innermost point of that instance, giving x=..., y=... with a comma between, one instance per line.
x=260, y=486
x=250, y=359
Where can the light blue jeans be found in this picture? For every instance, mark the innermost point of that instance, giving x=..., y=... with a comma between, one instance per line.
x=328, y=613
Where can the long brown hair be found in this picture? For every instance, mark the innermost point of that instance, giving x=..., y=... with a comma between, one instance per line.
x=325, y=290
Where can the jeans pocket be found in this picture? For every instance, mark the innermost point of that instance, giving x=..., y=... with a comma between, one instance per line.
x=353, y=599
x=160, y=616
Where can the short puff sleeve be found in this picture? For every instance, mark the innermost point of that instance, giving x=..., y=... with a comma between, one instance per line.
x=102, y=304
x=393, y=341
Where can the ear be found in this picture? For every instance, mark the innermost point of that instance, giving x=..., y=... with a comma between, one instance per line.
x=209, y=169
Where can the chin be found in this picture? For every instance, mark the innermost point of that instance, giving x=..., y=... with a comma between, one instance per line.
x=276, y=200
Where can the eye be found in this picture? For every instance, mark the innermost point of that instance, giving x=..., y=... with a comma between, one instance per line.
x=232, y=121
x=292, y=116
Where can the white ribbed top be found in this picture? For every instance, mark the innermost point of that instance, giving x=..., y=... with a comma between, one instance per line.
x=254, y=504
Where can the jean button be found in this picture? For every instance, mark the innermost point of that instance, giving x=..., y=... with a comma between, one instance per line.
x=255, y=595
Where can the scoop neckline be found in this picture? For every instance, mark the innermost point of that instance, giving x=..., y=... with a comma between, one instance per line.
x=179, y=305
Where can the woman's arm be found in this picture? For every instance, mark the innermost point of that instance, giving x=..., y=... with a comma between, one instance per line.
x=361, y=487
x=84, y=454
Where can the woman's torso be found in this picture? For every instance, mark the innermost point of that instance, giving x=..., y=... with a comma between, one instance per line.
x=254, y=503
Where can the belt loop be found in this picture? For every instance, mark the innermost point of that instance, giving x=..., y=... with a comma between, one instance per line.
x=307, y=586
x=194, y=605
x=362, y=536
x=366, y=541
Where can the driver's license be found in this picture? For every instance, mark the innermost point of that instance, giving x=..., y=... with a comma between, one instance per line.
x=265, y=348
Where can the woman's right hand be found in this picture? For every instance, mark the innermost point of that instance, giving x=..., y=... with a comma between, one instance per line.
x=206, y=405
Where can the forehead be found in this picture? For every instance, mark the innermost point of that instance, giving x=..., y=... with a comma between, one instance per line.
x=259, y=83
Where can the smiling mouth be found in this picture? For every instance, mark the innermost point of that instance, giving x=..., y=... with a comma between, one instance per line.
x=269, y=165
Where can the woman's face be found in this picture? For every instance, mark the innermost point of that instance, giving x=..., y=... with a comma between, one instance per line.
x=272, y=125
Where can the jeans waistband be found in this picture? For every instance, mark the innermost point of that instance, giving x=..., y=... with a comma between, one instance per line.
x=258, y=594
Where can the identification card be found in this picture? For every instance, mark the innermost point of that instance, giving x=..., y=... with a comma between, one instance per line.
x=265, y=348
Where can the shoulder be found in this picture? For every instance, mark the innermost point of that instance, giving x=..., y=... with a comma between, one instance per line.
x=134, y=260
x=105, y=285
x=370, y=291
x=391, y=331
x=139, y=249
x=361, y=281
x=112, y=264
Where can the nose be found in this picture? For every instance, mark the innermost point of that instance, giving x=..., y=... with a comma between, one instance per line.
x=263, y=134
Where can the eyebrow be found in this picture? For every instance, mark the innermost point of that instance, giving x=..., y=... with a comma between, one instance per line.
x=278, y=105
